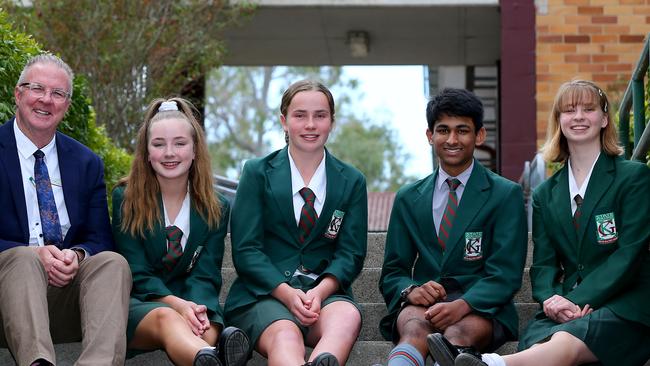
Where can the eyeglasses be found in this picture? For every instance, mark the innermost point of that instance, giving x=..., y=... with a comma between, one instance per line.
x=39, y=91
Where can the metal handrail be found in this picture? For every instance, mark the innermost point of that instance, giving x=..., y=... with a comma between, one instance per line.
x=635, y=97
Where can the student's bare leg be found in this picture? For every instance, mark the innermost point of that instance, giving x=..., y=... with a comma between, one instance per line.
x=282, y=344
x=165, y=328
x=413, y=328
x=470, y=331
x=335, y=331
x=563, y=349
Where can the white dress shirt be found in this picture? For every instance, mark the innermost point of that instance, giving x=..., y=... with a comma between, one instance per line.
x=182, y=219
x=318, y=184
x=573, y=186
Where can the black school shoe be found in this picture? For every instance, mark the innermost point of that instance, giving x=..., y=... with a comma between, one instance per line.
x=207, y=357
x=443, y=352
x=446, y=353
x=324, y=359
x=234, y=347
x=468, y=359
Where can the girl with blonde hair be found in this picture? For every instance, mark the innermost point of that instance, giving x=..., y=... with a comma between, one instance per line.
x=170, y=225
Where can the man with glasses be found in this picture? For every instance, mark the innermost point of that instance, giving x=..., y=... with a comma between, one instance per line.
x=59, y=280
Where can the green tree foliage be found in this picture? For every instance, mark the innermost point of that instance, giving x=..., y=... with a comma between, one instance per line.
x=15, y=49
x=242, y=115
x=374, y=150
x=132, y=51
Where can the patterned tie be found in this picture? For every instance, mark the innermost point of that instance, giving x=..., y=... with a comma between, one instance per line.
x=46, y=204
x=578, y=213
x=450, y=213
x=308, y=215
x=175, y=250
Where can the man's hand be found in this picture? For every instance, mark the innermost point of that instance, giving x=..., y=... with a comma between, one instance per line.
x=444, y=314
x=60, y=265
x=427, y=294
x=64, y=271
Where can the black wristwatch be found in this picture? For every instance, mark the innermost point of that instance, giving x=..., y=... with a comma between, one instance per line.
x=405, y=293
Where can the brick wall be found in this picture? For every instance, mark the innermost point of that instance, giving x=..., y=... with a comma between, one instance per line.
x=598, y=40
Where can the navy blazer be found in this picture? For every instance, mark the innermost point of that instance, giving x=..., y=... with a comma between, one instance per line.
x=84, y=191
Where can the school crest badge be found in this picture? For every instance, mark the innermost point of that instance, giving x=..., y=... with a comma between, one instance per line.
x=606, y=228
x=473, y=246
x=335, y=225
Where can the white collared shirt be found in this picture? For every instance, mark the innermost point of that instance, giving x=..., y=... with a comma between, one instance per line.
x=573, y=186
x=26, y=150
x=318, y=184
x=182, y=219
x=441, y=192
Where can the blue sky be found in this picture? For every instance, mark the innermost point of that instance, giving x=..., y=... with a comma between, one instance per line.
x=395, y=95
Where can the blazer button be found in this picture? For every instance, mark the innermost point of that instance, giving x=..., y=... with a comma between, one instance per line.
x=580, y=267
x=287, y=273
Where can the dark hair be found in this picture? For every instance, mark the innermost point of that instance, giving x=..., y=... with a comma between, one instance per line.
x=454, y=102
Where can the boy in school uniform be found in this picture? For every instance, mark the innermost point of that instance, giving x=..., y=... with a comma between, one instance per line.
x=455, y=248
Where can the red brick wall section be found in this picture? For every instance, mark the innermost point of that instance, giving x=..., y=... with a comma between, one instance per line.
x=598, y=40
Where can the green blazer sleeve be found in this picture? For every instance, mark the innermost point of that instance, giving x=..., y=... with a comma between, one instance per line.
x=146, y=284
x=203, y=285
x=400, y=254
x=546, y=268
x=351, y=245
x=253, y=266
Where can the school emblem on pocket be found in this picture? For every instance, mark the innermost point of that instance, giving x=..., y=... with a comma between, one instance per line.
x=606, y=228
x=195, y=256
x=334, y=225
x=473, y=246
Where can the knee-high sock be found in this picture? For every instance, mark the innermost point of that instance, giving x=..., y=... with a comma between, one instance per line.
x=405, y=354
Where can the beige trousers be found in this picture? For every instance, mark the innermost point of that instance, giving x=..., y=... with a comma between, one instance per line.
x=92, y=309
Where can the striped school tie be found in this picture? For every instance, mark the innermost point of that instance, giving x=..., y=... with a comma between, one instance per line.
x=174, y=250
x=450, y=213
x=308, y=215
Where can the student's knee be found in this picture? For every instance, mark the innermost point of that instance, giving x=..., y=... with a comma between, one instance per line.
x=472, y=330
x=282, y=332
x=575, y=350
x=343, y=315
x=412, y=326
x=165, y=318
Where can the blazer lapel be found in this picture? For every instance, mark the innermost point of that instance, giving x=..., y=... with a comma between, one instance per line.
x=279, y=175
x=474, y=196
x=69, y=181
x=9, y=157
x=423, y=211
x=336, y=185
x=560, y=205
x=601, y=179
x=198, y=232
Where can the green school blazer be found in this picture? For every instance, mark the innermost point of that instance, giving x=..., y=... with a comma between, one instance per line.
x=486, y=250
x=608, y=254
x=197, y=275
x=265, y=246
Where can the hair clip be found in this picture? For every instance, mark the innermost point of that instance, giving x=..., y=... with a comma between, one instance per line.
x=168, y=106
x=602, y=96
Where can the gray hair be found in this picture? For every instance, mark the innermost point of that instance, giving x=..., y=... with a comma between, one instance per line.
x=47, y=58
